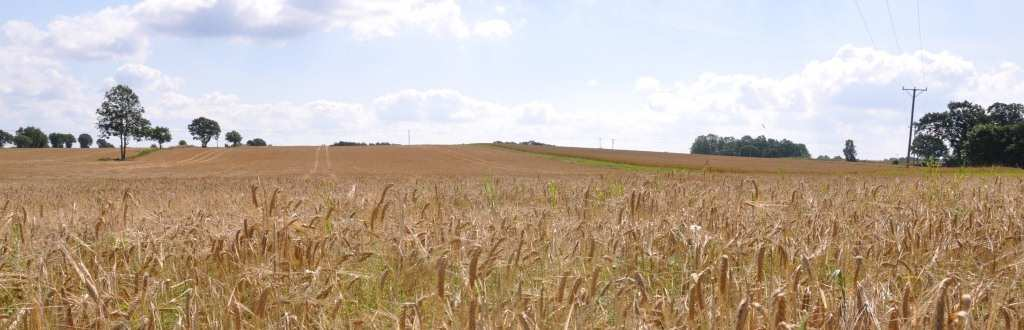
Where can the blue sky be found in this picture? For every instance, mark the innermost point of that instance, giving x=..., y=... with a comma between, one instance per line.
x=651, y=74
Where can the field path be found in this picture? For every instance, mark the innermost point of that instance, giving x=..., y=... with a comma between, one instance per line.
x=198, y=155
x=316, y=162
x=327, y=161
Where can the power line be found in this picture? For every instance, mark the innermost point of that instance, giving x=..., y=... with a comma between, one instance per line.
x=920, y=39
x=865, y=22
x=920, y=44
x=892, y=24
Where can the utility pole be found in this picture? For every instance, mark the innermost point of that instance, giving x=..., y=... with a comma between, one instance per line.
x=613, y=144
x=600, y=143
x=913, y=102
x=408, y=137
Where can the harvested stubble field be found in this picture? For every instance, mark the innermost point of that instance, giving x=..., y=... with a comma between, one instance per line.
x=708, y=162
x=481, y=237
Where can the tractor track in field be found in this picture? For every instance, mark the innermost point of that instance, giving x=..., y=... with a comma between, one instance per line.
x=316, y=163
x=464, y=156
x=327, y=161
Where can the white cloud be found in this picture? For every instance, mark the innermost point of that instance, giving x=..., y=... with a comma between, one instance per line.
x=431, y=105
x=37, y=90
x=1000, y=85
x=122, y=32
x=108, y=34
x=494, y=28
x=855, y=94
x=435, y=115
x=535, y=113
x=134, y=74
x=647, y=84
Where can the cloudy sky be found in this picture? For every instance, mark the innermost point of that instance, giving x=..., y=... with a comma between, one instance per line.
x=650, y=74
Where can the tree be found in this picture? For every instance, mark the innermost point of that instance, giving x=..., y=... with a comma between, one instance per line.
x=161, y=135
x=234, y=137
x=748, y=146
x=953, y=125
x=101, y=143
x=204, y=129
x=57, y=140
x=182, y=143
x=5, y=138
x=68, y=139
x=1006, y=114
x=993, y=144
x=30, y=137
x=984, y=145
x=929, y=146
x=850, y=151
x=257, y=142
x=120, y=115
x=84, y=141
x=21, y=141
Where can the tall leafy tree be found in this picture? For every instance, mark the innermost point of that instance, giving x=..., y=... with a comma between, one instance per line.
x=84, y=141
x=161, y=135
x=68, y=139
x=5, y=138
x=953, y=125
x=30, y=137
x=120, y=115
x=22, y=141
x=985, y=144
x=992, y=144
x=234, y=137
x=850, y=151
x=929, y=147
x=1006, y=114
x=57, y=140
x=204, y=129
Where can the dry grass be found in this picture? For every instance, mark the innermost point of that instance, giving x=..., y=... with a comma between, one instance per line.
x=612, y=250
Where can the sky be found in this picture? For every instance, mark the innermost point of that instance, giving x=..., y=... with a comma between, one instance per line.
x=652, y=75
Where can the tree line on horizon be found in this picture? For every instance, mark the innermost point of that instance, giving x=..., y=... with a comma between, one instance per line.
x=120, y=116
x=360, y=144
x=748, y=146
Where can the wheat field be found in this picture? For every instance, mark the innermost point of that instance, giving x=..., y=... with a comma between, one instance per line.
x=563, y=247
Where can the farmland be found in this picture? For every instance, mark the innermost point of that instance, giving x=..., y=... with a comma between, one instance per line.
x=479, y=236
x=706, y=162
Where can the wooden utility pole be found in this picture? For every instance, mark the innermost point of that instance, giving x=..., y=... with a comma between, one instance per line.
x=913, y=101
